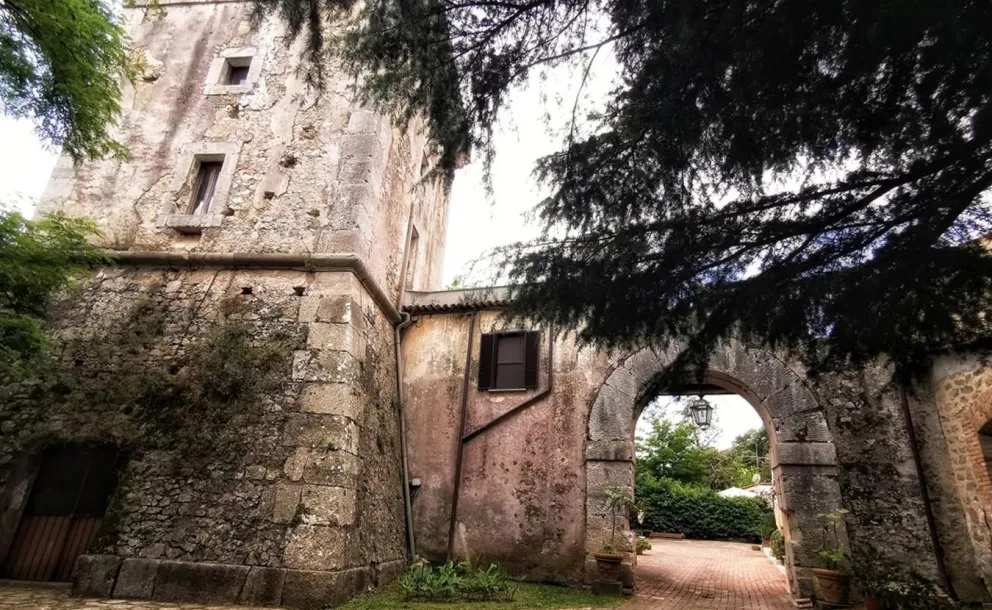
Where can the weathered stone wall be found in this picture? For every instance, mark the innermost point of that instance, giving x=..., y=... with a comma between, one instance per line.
x=303, y=510
x=878, y=476
x=531, y=484
x=311, y=171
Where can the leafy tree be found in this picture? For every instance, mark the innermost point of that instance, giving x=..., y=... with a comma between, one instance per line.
x=37, y=259
x=61, y=63
x=751, y=451
x=676, y=451
x=673, y=451
x=808, y=174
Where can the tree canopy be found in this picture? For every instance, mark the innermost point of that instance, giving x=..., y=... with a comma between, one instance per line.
x=61, y=65
x=37, y=258
x=808, y=174
x=677, y=451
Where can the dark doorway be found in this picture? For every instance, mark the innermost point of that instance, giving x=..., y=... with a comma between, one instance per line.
x=64, y=511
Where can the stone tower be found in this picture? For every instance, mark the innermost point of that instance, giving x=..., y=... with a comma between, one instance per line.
x=261, y=229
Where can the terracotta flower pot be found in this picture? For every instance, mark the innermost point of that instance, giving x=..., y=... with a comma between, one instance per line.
x=872, y=603
x=832, y=587
x=608, y=565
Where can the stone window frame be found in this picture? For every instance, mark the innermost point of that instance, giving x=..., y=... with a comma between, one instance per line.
x=220, y=65
x=174, y=214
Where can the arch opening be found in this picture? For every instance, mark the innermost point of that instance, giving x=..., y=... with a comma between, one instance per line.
x=802, y=455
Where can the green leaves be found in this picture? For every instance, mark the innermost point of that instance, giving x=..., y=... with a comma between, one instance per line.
x=61, y=65
x=699, y=512
x=808, y=175
x=37, y=259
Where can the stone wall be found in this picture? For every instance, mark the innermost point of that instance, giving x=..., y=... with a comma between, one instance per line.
x=305, y=171
x=303, y=505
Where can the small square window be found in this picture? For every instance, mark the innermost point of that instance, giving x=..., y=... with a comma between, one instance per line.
x=508, y=361
x=205, y=186
x=237, y=73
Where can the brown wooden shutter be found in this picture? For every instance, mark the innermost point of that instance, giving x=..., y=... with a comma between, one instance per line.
x=532, y=358
x=486, y=361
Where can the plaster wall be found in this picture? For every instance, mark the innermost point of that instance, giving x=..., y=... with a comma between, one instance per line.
x=531, y=484
x=522, y=500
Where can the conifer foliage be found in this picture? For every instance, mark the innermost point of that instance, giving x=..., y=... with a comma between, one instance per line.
x=809, y=174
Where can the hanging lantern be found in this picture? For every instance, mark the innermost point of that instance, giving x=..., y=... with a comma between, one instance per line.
x=701, y=412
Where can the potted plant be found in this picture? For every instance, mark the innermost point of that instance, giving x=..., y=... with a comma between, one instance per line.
x=833, y=585
x=608, y=560
x=887, y=585
x=642, y=545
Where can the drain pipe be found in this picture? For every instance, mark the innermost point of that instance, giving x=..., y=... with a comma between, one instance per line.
x=456, y=492
x=407, y=503
x=938, y=552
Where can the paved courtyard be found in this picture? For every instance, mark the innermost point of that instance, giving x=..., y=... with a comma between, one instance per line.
x=708, y=575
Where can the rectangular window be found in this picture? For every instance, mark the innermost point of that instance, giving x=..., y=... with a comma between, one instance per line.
x=237, y=75
x=509, y=361
x=205, y=187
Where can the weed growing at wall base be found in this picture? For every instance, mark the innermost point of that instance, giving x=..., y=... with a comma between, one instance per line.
x=456, y=582
x=528, y=596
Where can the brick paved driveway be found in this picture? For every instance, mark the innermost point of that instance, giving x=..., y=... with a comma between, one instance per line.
x=706, y=575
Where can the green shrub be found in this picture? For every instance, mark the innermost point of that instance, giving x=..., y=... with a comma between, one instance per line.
x=455, y=582
x=778, y=545
x=643, y=545
x=698, y=512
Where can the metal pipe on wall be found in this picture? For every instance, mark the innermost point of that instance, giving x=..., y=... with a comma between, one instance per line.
x=456, y=492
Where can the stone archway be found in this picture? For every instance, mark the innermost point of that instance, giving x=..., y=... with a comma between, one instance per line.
x=803, y=457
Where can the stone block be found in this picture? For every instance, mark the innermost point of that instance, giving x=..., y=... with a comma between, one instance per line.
x=205, y=583
x=332, y=399
x=263, y=587
x=389, y=571
x=136, y=579
x=643, y=366
x=794, y=398
x=325, y=505
x=310, y=589
x=333, y=468
x=285, y=502
x=318, y=547
x=609, y=589
x=336, y=337
x=319, y=431
x=807, y=454
x=623, y=380
x=94, y=575
x=610, y=451
x=802, y=427
x=327, y=366
x=612, y=416
x=340, y=310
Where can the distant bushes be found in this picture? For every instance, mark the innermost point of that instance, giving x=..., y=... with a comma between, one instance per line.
x=698, y=512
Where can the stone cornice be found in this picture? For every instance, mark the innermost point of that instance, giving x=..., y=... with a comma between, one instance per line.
x=275, y=261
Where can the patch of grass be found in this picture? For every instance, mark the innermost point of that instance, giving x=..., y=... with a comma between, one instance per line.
x=529, y=596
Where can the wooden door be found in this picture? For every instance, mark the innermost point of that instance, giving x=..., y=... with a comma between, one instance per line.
x=64, y=512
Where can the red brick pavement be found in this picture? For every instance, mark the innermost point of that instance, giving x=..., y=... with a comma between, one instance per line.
x=707, y=575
